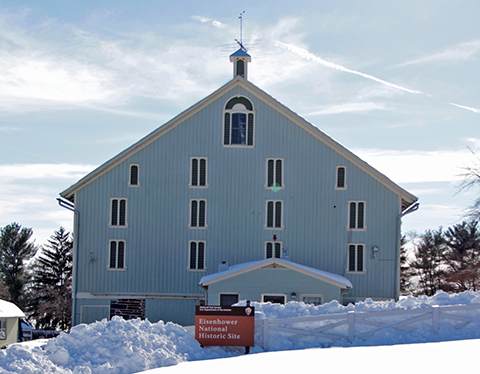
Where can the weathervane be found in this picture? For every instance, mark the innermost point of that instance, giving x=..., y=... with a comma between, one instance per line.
x=240, y=43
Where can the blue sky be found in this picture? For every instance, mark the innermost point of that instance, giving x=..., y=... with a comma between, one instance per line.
x=396, y=82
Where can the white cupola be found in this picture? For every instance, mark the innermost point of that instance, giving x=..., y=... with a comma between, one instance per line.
x=240, y=60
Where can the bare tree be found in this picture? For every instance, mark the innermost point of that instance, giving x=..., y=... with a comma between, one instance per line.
x=471, y=178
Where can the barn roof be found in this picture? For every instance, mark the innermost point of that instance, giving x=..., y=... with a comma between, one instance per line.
x=276, y=263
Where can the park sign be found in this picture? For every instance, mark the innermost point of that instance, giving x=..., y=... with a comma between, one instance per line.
x=225, y=326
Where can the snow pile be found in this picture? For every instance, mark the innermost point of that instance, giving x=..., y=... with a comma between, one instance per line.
x=423, y=330
x=112, y=347
x=121, y=347
x=300, y=309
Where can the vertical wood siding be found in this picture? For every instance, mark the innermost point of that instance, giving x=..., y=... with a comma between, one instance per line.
x=315, y=214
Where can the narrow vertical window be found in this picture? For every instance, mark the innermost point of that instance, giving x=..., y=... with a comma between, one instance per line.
x=273, y=249
x=198, y=172
x=341, y=177
x=198, y=213
x=239, y=128
x=356, y=258
x=274, y=214
x=356, y=215
x=134, y=169
x=241, y=68
x=196, y=259
x=117, y=254
x=274, y=173
x=118, y=212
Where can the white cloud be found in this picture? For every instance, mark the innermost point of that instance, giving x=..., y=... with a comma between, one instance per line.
x=205, y=20
x=10, y=129
x=33, y=78
x=29, y=192
x=475, y=142
x=349, y=108
x=201, y=19
x=42, y=171
x=417, y=166
x=460, y=52
x=218, y=24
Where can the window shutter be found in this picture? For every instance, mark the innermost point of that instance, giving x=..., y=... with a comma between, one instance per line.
x=351, y=258
x=250, y=129
x=113, y=255
x=201, y=215
x=269, y=250
x=278, y=214
x=194, y=172
x=201, y=255
x=114, y=218
x=360, y=258
x=361, y=215
x=122, y=219
x=193, y=255
x=278, y=173
x=121, y=255
x=278, y=250
x=193, y=214
x=270, y=173
x=203, y=172
x=226, y=130
x=353, y=217
x=270, y=214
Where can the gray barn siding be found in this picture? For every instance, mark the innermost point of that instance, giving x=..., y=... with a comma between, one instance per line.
x=315, y=214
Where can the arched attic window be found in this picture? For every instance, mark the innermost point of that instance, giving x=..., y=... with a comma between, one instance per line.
x=238, y=122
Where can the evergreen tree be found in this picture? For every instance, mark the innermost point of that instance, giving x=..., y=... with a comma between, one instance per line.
x=462, y=257
x=428, y=262
x=15, y=251
x=52, y=281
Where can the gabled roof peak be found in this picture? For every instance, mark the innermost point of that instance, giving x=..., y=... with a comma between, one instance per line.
x=240, y=53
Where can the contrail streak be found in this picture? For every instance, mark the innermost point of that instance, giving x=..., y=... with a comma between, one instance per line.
x=310, y=56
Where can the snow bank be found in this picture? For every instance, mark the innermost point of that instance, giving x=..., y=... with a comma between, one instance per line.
x=423, y=331
x=121, y=347
x=112, y=347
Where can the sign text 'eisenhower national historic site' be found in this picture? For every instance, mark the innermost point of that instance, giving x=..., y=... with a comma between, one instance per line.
x=225, y=326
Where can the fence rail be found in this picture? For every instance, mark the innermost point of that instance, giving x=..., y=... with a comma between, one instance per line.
x=351, y=325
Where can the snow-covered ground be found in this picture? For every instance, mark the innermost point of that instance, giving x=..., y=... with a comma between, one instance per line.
x=120, y=347
x=445, y=357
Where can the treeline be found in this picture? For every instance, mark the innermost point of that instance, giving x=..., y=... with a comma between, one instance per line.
x=447, y=260
x=38, y=279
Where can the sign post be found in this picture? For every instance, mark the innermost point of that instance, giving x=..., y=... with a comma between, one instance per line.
x=225, y=326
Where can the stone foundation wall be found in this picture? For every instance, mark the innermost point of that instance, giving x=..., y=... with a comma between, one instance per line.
x=128, y=308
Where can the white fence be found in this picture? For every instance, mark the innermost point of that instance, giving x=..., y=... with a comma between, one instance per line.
x=351, y=325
